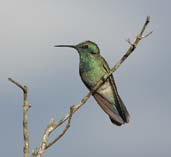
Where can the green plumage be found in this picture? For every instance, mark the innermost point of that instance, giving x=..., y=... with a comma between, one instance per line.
x=91, y=68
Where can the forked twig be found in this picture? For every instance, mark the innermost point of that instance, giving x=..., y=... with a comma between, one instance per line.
x=50, y=128
x=64, y=131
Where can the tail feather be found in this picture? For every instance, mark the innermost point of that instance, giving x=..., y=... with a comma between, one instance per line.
x=125, y=113
x=115, y=122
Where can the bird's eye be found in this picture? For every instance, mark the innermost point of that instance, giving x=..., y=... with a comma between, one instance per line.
x=85, y=47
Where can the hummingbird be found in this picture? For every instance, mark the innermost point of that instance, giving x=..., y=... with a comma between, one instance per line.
x=92, y=67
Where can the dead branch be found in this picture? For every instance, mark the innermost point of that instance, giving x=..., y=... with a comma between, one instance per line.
x=52, y=126
x=26, y=107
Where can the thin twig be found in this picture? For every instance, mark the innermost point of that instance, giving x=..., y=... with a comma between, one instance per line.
x=44, y=144
x=146, y=35
x=26, y=107
x=64, y=131
x=101, y=81
x=18, y=84
x=39, y=151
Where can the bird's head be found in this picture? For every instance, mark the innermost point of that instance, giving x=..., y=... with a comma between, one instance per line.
x=86, y=47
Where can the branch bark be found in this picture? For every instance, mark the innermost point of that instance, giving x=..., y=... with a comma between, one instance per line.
x=52, y=126
x=26, y=107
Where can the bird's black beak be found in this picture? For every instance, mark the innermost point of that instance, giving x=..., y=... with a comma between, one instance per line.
x=72, y=46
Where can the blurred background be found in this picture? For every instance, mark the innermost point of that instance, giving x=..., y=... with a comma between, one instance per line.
x=29, y=30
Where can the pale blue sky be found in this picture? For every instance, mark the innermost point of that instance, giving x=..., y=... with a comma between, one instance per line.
x=28, y=31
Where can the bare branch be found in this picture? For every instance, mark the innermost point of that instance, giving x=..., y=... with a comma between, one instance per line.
x=26, y=107
x=50, y=128
x=144, y=26
x=18, y=85
x=64, y=131
x=39, y=151
x=99, y=83
x=129, y=42
x=146, y=35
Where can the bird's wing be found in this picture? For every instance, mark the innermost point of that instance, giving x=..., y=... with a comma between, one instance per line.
x=119, y=103
x=107, y=107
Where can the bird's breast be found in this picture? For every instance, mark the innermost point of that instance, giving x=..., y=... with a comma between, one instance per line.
x=91, y=73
